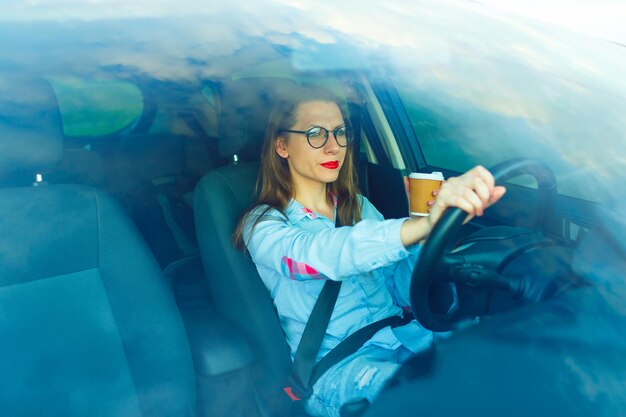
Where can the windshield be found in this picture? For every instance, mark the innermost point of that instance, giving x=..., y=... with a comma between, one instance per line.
x=143, y=100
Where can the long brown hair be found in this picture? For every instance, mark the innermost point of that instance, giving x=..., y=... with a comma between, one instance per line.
x=274, y=185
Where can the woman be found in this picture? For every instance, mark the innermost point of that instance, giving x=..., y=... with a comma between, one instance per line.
x=307, y=179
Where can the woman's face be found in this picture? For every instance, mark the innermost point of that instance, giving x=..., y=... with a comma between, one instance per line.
x=310, y=166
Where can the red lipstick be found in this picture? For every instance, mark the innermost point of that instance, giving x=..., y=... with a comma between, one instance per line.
x=331, y=164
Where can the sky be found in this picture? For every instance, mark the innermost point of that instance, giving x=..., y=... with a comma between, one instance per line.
x=602, y=19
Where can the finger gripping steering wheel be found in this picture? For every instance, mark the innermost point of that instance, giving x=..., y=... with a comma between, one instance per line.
x=445, y=230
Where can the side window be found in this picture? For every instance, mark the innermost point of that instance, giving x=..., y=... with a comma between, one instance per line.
x=452, y=135
x=384, y=166
x=381, y=148
x=211, y=110
x=366, y=149
x=476, y=111
x=209, y=95
x=96, y=107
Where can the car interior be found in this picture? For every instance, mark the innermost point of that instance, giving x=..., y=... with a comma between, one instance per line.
x=129, y=199
x=121, y=259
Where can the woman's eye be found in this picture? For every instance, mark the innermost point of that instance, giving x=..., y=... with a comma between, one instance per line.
x=340, y=131
x=315, y=132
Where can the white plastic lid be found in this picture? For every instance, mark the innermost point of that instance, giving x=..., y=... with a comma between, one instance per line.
x=435, y=176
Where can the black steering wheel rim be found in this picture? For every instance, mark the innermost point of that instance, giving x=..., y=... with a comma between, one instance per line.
x=448, y=225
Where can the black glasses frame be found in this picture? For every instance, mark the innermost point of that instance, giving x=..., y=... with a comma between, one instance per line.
x=307, y=132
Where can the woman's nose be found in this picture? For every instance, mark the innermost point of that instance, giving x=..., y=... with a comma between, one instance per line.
x=331, y=145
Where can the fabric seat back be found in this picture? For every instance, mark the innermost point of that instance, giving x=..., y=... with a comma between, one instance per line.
x=220, y=199
x=87, y=322
x=239, y=294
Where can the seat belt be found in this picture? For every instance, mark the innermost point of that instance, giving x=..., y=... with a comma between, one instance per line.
x=304, y=371
x=298, y=386
x=353, y=343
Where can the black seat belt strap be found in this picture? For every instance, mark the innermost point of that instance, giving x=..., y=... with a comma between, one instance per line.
x=353, y=343
x=312, y=338
x=311, y=341
x=344, y=349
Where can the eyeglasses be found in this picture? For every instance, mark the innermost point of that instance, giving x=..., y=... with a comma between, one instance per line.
x=318, y=136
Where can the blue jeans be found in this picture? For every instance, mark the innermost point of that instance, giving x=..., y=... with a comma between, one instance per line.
x=361, y=375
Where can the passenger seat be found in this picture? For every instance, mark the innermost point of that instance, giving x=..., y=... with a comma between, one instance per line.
x=87, y=322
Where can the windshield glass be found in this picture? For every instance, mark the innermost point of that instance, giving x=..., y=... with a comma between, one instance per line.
x=153, y=103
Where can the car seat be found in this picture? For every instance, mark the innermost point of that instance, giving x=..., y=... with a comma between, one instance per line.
x=87, y=322
x=221, y=197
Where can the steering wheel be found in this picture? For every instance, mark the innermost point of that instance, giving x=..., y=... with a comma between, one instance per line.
x=428, y=268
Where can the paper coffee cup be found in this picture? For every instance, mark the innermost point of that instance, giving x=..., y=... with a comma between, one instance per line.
x=421, y=187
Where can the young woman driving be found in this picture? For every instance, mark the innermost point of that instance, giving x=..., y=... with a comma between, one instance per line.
x=307, y=179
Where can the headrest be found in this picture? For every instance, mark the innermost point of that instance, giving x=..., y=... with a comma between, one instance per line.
x=246, y=107
x=31, y=135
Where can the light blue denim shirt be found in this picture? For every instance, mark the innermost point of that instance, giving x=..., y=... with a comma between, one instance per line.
x=297, y=253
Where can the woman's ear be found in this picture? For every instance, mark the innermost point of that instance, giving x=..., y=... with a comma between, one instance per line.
x=281, y=147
